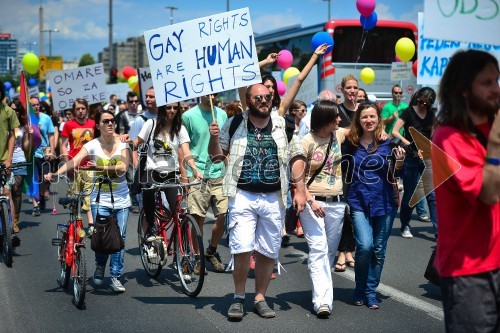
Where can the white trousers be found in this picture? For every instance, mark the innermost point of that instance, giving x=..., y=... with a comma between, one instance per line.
x=323, y=237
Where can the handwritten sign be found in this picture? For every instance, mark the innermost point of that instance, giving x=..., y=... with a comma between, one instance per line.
x=308, y=92
x=463, y=20
x=401, y=71
x=86, y=82
x=145, y=82
x=434, y=54
x=202, y=56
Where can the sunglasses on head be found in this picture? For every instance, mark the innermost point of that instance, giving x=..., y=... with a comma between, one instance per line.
x=422, y=103
x=108, y=121
x=260, y=98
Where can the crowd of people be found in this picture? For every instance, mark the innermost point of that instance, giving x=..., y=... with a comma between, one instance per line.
x=342, y=160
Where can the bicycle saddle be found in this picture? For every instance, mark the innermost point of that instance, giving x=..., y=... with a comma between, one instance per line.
x=66, y=201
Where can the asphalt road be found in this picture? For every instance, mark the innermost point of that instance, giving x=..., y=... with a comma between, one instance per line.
x=32, y=301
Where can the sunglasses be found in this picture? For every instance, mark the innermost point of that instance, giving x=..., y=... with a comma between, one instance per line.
x=398, y=92
x=260, y=98
x=108, y=121
x=133, y=102
x=172, y=107
x=422, y=103
x=150, y=96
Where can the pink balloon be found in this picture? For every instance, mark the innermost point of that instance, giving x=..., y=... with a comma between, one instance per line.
x=365, y=7
x=285, y=59
x=397, y=58
x=281, y=88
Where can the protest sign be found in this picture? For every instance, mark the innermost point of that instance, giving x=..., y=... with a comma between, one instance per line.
x=463, y=20
x=434, y=54
x=145, y=82
x=86, y=82
x=401, y=71
x=308, y=92
x=202, y=56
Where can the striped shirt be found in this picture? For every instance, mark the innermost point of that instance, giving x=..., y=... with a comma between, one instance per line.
x=238, y=145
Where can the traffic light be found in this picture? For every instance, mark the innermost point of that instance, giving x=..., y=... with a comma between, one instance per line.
x=112, y=77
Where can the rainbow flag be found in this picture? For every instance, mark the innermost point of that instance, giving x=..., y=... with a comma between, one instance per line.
x=31, y=182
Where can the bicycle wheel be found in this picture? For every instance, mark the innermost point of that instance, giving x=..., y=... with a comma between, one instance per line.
x=6, y=235
x=80, y=278
x=190, y=264
x=151, y=252
x=65, y=270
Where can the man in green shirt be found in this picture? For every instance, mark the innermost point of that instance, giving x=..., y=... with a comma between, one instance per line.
x=8, y=124
x=197, y=121
x=393, y=110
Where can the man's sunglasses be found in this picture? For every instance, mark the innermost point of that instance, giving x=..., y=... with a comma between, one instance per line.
x=260, y=98
x=398, y=92
x=133, y=102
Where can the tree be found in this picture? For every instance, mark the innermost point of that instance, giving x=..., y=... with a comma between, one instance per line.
x=86, y=60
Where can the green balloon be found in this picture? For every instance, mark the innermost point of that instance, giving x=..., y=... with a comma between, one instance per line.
x=30, y=63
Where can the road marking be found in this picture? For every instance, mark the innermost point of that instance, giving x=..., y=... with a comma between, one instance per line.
x=431, y=310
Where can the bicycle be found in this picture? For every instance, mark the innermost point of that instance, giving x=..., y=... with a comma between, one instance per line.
x=6, y=232
x=185, y=236
x=71, y=242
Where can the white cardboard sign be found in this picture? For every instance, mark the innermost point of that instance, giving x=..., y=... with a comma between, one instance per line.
x=401, y=71
x=88, y=82
x=202, y=56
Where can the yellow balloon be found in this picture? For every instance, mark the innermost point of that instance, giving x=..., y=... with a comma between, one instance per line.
x=18, y=88
x=30, y=63
x=41, y=94
x=405, y=49
x=290, y=72
x=133, y=79
x=367, y=75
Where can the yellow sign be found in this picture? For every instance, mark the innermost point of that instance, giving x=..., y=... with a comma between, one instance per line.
x=48, y=63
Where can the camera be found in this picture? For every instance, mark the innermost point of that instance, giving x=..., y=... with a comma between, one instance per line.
x=410, y=149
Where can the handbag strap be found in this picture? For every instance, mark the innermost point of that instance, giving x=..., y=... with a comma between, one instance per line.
x=103, y=180
x=146, y=143
x=324, y=161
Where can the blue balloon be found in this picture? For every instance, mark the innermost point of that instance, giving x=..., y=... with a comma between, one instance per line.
x=31, y=82
x=321, y=38
x=368, y=23
x=50, y=89
x=44, y=98
x=7, y=85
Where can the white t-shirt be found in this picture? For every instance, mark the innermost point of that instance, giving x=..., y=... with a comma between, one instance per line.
x=118, y=183
x=162, y=152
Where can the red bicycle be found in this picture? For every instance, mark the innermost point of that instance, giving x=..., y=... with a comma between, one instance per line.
x=185, y=237
x=70, y=241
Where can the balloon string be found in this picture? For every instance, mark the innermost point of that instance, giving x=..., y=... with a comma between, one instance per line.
x=362, y=42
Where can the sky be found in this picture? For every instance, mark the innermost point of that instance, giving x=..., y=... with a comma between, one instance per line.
x=83, y=25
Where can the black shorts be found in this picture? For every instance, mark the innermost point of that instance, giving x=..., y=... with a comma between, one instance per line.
x=43, y=167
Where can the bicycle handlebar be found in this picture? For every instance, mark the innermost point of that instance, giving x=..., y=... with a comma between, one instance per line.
x=173, y=185
x=14, y=166
x=100, y=179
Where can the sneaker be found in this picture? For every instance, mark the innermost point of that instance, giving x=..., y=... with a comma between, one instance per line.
x=98, y=275
x=406, y=233
x=323, y=311
x=263, y=310
x=135, y=210
x=197, y=268
x=16, y=241
x=151, y=251
x=235, y=311
x=372, y=303
x=424, y=218
x=187, y=278
x=36, y=211
x=116, y=285
x=152, y=234
x=216, y=262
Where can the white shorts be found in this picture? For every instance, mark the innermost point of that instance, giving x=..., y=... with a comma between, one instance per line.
x=255, y=223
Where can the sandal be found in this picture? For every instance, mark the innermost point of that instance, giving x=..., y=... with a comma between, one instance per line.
x=350, y=263
x=358, y=298
x=340, y=267
x=299, y=232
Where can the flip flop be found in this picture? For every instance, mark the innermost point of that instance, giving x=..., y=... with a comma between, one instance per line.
x=350, y=263
x=340, y=267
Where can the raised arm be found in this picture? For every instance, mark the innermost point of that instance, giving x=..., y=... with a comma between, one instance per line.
x=395, y=131
x=490, y=190
x=294, y=89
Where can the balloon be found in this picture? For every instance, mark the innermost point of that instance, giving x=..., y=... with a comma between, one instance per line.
x=128, y=72
x=368, y=23
x=43, y=98
x=290, y=72
x=405, y=49
x=50, y=89
x=414, y=68
x=321, y=38
x=327, y=95
x=133, y=83
x=7, y=85
x=281, y=87
x=18, y=89
x=41, y=94
x=397, y=58
x=285, y=59
x=31, y=82
x=367, y=75
x=365, y=7
x=30, y=63
x=372, y=98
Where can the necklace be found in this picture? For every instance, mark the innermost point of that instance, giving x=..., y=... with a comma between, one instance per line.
x=257, y=130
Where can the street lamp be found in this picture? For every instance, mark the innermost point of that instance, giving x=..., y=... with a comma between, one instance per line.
x=171, y=13
x=50, y=31
x=227, y=5
x=29, y=45
x=329, y=1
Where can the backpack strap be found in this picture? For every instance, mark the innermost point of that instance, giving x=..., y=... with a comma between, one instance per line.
x=289, y=126
x=235, y=123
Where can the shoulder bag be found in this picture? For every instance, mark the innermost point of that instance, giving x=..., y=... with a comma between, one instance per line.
x=107, y=238
x=136, y=186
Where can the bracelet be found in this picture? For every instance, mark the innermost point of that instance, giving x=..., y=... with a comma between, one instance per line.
x=492, y=160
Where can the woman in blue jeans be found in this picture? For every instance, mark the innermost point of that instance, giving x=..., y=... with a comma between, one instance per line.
x=107, y=156
x=371, y=199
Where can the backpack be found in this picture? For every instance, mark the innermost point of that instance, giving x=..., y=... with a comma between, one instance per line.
x=289, y=125
x=118, y=123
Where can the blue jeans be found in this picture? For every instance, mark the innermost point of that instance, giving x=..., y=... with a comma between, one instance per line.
x=414, y=167
x=116, y=262
x=371, y=235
